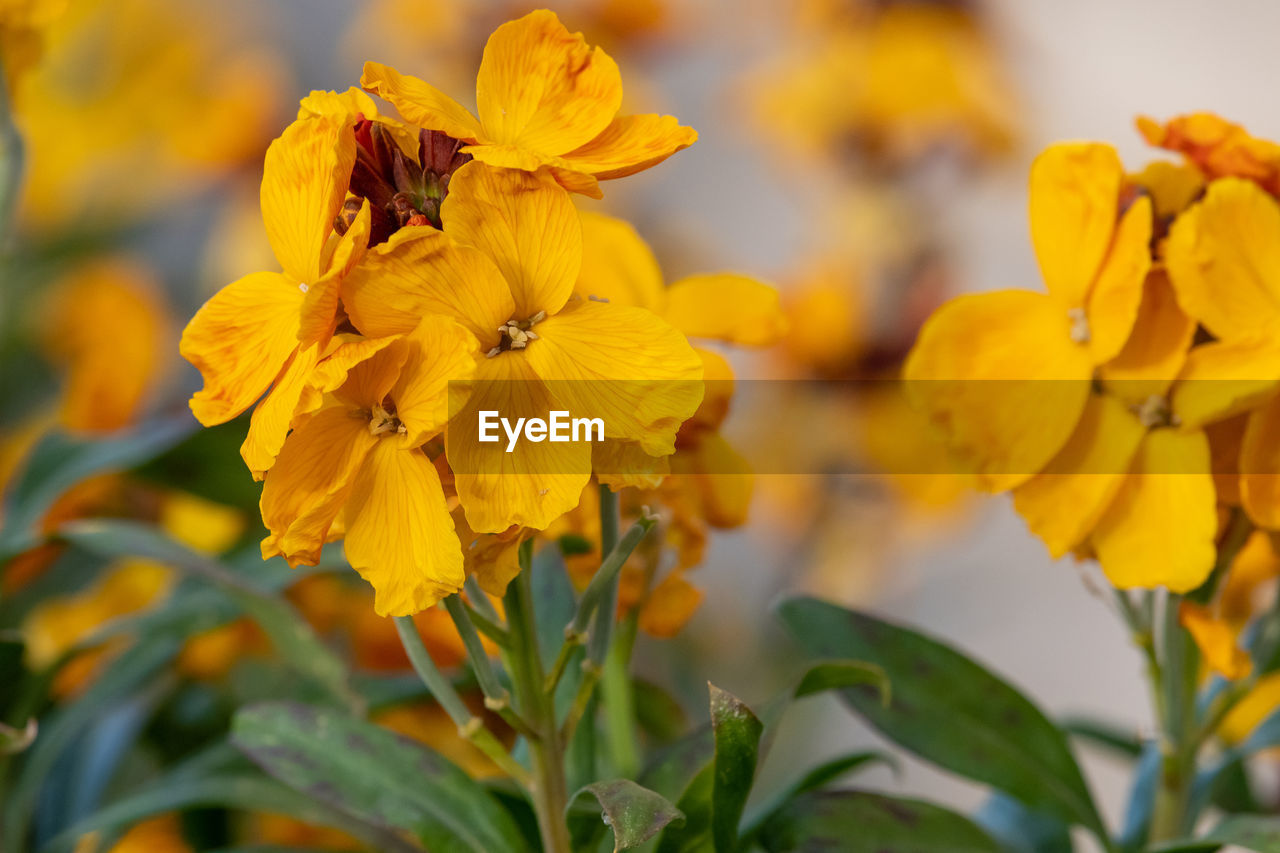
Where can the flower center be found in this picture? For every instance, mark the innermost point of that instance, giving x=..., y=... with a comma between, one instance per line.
x=1155, y=412
x=1080, y=332
x=402, y=191
x=383, y=420
x=516, y=334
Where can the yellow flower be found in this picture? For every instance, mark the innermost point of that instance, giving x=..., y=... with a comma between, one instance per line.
x=106, y=325
x=271, y=327
x=1041, y=349
x=162, y=834
x=23, y=26
x=357, y=462
x=515, y=238
x=544, y=99
x=1217, y=147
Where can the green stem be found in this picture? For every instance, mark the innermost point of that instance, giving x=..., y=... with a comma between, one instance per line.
x=549, y=790
x=496, y=697
x=469, y=726
x=12, y=162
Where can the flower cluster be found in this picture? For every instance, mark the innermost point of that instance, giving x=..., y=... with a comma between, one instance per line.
x=440, y=250
x=1132, y=409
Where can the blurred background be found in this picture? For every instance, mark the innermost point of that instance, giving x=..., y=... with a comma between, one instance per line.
x=867, y=158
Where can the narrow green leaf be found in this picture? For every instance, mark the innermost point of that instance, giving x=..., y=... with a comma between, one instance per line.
x=863, y=822
x=949, y=710
x=59, y=461
x=694, y=835
x=737, y=734
x=1257, y=833
x=840, y=675
x=293, y=638
x=635, y=814
x=373, y=774
x=814, y=779
x=1119, y=740
x=1142, y=798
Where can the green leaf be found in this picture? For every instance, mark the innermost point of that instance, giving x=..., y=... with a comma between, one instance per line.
x=292, y=637
x=1020, y=830
x=1121, y=741
x=373, y=774
x=694, y=835
x=949, y=710
x=250, y=793
x=737, y=734
x=60, y=461
x=1142, y=798
x=818, y=777
x=863, y=822
x=840, y=675
x=635, y=814
x=658, y=713
x=1258, y=833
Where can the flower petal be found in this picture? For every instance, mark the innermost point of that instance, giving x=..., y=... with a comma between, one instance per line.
x=623, y=365
x=670, y=606
x=1074, y=198
x=618, y=265
x=320, y=305
x=542, y=88
x=400, y=537
x=273, y=417
x=1218, y=641
x=624, y=464
x=439, y=352
x=726, y=307
x=722, y=477
x=419, y=103
x=1223, y=256
x=534, y=484
x=526, y=224
x=304, y=491
x=1157, y=348
x=1114, y=299
x=630, y=144
x=1062, y=504
x=1005, y=430
x=1224, y=378
x=239, y=341
x=1260, y=465
x=1161, y=527
x=304, y=184
x=368, y=382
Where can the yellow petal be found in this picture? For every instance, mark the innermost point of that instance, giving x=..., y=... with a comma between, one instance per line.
x=1161, y=527
x=1063, y=504
x=304, y=184
x=531, y=486
x=670, y=606
x=419, y=103
x=320, y=304
x=623, y=365
x=1252, y=710
x=1224, y=378
x=1156, y=350
x=526, y=224
x=722, y=477
x=274, y=416
x=1260, y=465
x=542, y=88
x=343, y=105
x=1173, y=186
x=304, y=491
x=618, y=265
x=624, y=464
x=239, y=341
x=630, y=144
x=1224, y=260
x=400, y=537
x=726, y=307
x=1005, y=430
x=439, y=352
x=422, y=271
x=369, y=382
x=1254, y=567
x=1113, y=301
x=1218, y=641
x=1074, y=198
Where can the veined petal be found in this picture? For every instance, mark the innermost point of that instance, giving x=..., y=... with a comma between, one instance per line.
x=239, y=341
x=304, y=491
x=1062, y=504
x=1260, y=465
x=630, y=144
x=273, y=417
x=623, y=365
x=726, y=307
x=1113, y=302
x=439, y=352
x=534, y=484
x=400, y=537
x=1223, y=256
x=624, y=464
x=320, y=305
x=722, y=477
x=1006, y=430
x=369, y=381
x=618, y=265
x=422, y=271
x=1161, y=527
x=342, y=105
x=304, y=184
x=1156, y=350
x=1074, y=199
x=543, y=88
x=1224, y=378
x=526, y=224
x=419, y=103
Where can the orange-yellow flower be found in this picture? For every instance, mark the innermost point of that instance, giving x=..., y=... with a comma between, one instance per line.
x=544, y=98
x=1217, y=147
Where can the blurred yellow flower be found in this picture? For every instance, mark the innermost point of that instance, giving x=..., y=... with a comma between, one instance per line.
x=545, y=99
x=23, y=26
